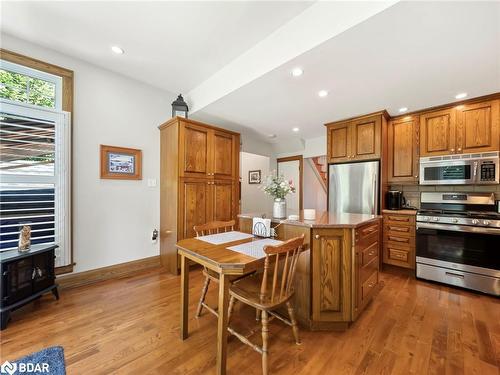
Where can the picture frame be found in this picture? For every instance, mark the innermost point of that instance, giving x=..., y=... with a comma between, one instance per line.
x=254, y=177
x=121, y=163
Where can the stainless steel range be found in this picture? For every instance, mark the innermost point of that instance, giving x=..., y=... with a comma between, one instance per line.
x=458, y=240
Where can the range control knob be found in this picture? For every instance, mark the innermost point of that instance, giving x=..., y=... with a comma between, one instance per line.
x=455, y=220
x=426, y=218
x=486, y=222
x=475, y=221
x=435, y=218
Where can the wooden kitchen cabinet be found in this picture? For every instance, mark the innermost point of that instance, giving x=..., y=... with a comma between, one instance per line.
x=399, y=239
x=207, y=153
x=478, y=127
x=331, y=287
x=337, y=274
x=222, y=200
x=466, y=128
x=437, y=132
x=339, y=296
x=194, y=198
x=199, y=175
x=339, y=142
x=403, y=150
x=355, y=139
x=366, y=138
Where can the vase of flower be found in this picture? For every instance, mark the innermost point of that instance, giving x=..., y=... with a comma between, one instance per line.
x=278, y=187
x=279, y=208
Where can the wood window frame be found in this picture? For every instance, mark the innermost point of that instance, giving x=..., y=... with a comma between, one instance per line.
x=301, y=173
x=67, y=106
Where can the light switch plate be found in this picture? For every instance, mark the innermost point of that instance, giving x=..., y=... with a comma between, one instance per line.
x=151, y=182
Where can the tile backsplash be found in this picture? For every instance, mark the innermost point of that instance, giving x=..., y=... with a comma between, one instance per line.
x=412, y=192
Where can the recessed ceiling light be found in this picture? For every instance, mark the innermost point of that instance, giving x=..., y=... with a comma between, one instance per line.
x=322, y=93
x=271, y=136
x=297, y=72
x=461, y=95
x=295, y=130
x=117, y=50
x=403, y=109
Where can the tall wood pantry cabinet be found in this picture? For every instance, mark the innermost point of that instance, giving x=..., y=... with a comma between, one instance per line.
x=199, y=181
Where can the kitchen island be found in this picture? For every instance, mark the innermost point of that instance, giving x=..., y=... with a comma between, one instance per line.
x=337, y=275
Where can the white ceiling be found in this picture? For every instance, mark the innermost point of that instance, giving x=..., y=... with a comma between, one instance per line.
x=412, y=54
x=170, y=45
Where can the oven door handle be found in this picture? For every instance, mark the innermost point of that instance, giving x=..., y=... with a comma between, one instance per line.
x=459, y=228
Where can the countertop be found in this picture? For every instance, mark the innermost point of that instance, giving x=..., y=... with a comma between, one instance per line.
x=405, y=211
x=324, y=219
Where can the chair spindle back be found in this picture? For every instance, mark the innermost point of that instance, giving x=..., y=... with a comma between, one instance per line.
x=280, y=263
x=214, y=227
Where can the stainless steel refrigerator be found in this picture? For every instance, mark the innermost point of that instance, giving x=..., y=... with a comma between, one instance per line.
x=354, y=188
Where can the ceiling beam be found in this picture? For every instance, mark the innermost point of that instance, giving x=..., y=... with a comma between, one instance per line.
x=315, y=25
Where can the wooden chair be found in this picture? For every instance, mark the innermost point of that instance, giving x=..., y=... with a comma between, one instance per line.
x=279, y=271
x=204, y=230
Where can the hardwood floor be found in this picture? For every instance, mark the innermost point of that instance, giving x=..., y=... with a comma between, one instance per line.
x=131, y=326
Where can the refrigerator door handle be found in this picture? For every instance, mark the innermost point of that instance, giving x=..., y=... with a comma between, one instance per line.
x=374, y=206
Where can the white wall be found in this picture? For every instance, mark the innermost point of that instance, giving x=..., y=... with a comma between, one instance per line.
x=112, y=219
x=253, y=199
x=308, y=148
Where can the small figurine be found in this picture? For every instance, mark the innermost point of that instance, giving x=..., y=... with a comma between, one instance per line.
x=25, y=238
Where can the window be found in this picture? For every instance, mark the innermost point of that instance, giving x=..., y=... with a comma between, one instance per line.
x=34, y=161
x=21, y=84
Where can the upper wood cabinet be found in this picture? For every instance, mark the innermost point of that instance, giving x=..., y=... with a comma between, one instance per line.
x=355, y=139
x=206, y=152
x=437, y=132
x=466, y=128
x=402, y=150
x=195, y=150
x=366, y=137
x=477, y=127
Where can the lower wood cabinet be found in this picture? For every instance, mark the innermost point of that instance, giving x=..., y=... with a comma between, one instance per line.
x=345, y=265
x=337, y=274
x=331, y=285
x=399, y=240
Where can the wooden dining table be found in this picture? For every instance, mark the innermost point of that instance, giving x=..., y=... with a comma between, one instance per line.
x=229, y=265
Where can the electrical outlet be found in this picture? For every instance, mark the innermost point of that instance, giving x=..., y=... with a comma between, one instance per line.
x=154, y=236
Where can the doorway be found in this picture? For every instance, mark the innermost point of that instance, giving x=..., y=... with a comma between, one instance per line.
x=291, y=168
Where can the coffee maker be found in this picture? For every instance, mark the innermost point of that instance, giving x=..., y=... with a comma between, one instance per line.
x=394, y=200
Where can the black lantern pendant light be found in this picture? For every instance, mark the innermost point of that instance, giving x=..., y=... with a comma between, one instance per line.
x=180, y=107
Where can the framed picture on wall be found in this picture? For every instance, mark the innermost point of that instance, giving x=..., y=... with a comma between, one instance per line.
x=254, y=177
x=121, y=163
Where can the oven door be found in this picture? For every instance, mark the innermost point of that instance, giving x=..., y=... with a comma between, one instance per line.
x=472, y=249
x=458, y=172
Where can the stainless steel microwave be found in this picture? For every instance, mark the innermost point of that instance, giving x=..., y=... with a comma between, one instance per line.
x=462, y=169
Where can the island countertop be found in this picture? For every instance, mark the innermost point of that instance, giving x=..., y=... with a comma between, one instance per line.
x=324, y=219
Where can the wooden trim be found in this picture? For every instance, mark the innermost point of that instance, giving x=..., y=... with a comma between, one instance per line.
x=173, y=120
x=301, y=174
x=64, y=269
x=449, y=105
x=137, y=154
x=378, y=113
x=67, y=105
x=107, y=273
